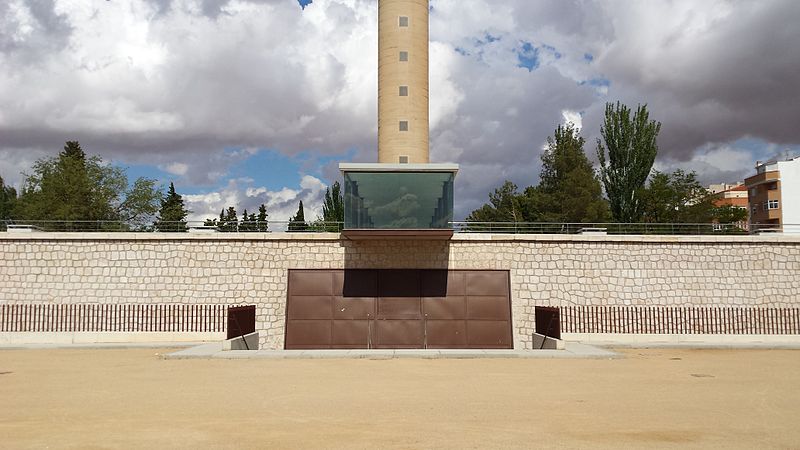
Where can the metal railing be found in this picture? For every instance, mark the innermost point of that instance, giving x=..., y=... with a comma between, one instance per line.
x=110, y=226
x=277, y=226
x=608, y=228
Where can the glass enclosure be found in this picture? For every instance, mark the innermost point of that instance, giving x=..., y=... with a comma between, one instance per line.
x=398, y=200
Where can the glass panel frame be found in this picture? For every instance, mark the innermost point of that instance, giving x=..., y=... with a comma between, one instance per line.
x=398, y=200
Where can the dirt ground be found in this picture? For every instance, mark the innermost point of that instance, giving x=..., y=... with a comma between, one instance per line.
x=651, y=398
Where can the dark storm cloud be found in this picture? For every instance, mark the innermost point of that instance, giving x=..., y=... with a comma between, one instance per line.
x=34, y=32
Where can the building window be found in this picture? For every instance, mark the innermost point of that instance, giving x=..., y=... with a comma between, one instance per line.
x=403, y=56
x=773, y=186
x=403, y=125
x=403, y=91
x=773, y=204
x=404, y=21
x=753, y=192
x=755, y=209
x=403, y=159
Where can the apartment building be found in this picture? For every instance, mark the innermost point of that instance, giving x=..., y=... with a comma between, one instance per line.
x=774, y=195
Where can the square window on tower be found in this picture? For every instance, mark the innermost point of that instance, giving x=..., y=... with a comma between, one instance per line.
x=403, y=125
x=403, y=56
x=403, y=91
x=403, y=21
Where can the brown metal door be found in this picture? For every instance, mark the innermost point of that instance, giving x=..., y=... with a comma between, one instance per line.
x=398, y=309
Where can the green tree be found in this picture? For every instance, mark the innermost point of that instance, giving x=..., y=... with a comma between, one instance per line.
x=626, y=153
x=568, y=190
x=228, y=220
x=729, y=214
x=172, y=215
x=333, y=207
x=505, y=205
x=8, y=197
x=244, y=226
x=676, y=198
x=74, y=187
x=298, y=222
x=261, y=221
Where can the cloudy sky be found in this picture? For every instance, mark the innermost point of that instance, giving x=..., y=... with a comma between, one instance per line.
x=242, y=102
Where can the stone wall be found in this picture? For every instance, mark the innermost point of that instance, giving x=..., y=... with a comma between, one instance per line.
x=552, y=270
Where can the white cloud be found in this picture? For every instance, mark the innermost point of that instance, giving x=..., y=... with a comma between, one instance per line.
x=241, y=194
x=572, y=117
x=176, y=168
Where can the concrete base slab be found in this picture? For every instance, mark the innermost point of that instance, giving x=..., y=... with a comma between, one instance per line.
x=742, y=341
x=214, y=351
x=65, y=338
x=247, y=342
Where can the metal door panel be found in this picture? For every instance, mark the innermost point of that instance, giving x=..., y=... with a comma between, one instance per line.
x=308, y=334
x=487, y=283
x=443, y=283
x=350, y=334
x=460, y=309
x=353, y=308
x=356, y=283
x=488, y=308
x=447, y=308
x=399, y=283
x=310, y=307
x=488, y=334
x=446, y=334
x=310, y=282
x=398, y=334
x=399, y=308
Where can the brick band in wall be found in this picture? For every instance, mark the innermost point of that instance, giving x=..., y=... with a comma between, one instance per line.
x=679, y=320
x=110, y=317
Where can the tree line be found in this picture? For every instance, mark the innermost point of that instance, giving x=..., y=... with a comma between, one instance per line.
x=571, y=191
x=74, y=191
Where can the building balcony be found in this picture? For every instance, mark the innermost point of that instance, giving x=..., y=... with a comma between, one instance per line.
x=762, y=178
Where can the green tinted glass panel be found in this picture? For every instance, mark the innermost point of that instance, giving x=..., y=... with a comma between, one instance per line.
x=398, y=200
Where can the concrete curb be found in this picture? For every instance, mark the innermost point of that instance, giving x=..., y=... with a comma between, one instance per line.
x=573, y=350
x=100, y=346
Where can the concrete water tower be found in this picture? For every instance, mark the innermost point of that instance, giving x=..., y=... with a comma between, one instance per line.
x=403, y=194
x=403, y=82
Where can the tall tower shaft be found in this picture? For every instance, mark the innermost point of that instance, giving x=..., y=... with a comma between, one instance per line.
x=403, y=124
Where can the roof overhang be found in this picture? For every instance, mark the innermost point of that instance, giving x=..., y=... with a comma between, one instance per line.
x=381, y=167
x=398, y=235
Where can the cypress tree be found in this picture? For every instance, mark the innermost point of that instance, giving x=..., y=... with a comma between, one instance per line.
x=298, y=222
x=262, y=218
x=172, y=215
x=333, y=207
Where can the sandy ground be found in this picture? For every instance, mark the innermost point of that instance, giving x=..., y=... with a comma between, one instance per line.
x=651, y=398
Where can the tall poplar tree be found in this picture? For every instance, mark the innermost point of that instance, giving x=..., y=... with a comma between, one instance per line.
x=626, y=153
x=333, y=207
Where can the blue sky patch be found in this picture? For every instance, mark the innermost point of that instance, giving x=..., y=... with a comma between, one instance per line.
x=528, y=57
x=588, y=57
x=267, y=168
x=304, y=3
